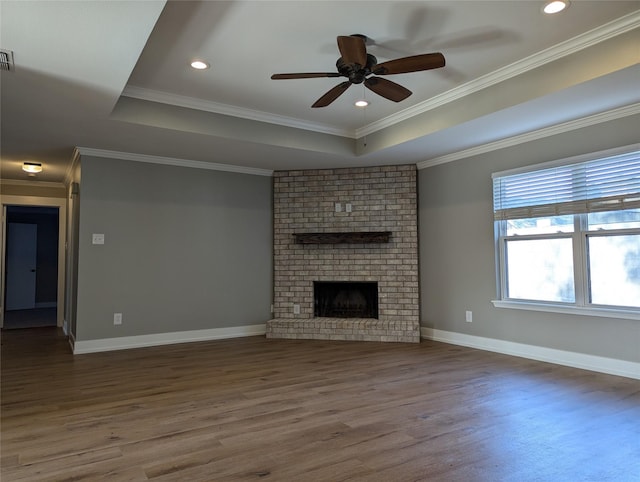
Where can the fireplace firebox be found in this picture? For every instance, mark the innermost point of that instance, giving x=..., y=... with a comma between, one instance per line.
x=345, y=299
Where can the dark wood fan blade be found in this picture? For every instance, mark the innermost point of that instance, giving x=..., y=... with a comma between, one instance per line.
x=310, y=75
x=387, y=89
x=353, y=50
x=415, y=63
x=332, y=95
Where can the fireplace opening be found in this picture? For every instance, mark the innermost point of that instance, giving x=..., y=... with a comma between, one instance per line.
x=345, y=299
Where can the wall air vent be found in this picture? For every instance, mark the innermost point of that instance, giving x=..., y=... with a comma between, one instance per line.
x=6, y=60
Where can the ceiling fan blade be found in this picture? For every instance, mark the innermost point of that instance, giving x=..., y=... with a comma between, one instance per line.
x=332, y=95
x=353, y=50
x=309, y=75
x=415, y=63
x=387, y=89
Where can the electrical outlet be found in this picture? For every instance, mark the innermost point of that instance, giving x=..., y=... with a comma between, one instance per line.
x=338, y=207
x=469, y=316
x=296, y=309
x=117, y=318
x=348, y=207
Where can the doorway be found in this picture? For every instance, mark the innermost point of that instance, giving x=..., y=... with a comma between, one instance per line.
x=33, y=260
x=31, y=264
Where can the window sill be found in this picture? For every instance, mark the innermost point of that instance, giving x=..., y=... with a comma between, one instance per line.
x=570, y=310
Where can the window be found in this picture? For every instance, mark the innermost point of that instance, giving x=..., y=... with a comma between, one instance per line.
x=568, y=235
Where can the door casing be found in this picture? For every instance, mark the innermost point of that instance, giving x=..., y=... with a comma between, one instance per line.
x=61, y=204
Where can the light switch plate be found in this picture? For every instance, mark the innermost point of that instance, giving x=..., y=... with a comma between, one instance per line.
x=97, y=238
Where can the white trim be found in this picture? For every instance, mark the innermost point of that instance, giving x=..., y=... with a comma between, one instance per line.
x=563, y=49
x=75, y=159
x=568, y=47
x=170, y=161
x=230, y=110
x=534, y=135
x=157, y=339
x=61, y=204
x=568, y=310
x=595, y=363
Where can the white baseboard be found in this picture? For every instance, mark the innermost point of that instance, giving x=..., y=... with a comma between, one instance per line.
x=611, y=366
x=141, y=341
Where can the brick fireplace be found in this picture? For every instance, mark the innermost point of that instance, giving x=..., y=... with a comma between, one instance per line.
x=355, y=226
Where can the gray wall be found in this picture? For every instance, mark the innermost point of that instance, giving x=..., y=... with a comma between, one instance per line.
x=457, y=255
x=185, y=249
x=9, y=189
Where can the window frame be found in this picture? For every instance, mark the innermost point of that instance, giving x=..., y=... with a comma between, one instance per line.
x=580, y=238
x=527, y=237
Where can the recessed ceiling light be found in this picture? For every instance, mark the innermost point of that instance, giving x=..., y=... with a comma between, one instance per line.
x=199, y=65
x=32, y=167
x=555, y=6
x=361, y=103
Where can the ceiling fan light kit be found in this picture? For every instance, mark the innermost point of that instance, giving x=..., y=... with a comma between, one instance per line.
x=360, y=67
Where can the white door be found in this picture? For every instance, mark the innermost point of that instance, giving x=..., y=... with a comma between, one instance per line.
x=22, y=242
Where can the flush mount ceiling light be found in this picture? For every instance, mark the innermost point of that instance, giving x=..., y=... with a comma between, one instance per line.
x=361, y=103
x=555, y=6
x=199, y=65
x=32, y=167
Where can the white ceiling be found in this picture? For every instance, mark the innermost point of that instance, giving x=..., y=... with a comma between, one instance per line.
x=115, y=76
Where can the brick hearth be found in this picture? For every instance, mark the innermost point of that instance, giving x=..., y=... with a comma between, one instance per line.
x=354, y=329
x=382, y=199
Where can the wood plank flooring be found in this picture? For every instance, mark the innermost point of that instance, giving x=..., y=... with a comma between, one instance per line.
x=298, y=410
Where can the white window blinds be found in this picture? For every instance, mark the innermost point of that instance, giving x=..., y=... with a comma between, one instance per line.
x=607, y=184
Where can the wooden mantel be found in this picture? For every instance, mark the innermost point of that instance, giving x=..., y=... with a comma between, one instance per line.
x=338, y=238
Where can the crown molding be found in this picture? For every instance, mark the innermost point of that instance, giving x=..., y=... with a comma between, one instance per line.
x=75, y=158
x=580, y=42
x=534, y=135
x=141, y=93
x=170, y=161
x=585, y=40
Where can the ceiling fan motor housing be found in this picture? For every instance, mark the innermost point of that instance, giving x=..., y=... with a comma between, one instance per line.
x=353, y=54
x=355, y=72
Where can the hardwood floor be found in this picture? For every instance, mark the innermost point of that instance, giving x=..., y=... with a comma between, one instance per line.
x=292, y=410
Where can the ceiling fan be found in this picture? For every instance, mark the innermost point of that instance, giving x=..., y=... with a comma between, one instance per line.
x=359, y=66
